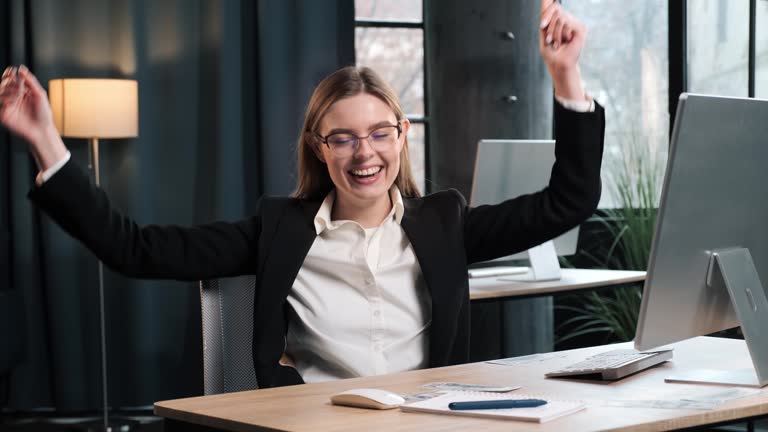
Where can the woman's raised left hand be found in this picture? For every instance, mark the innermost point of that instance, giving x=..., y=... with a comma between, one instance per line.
x=561, y=40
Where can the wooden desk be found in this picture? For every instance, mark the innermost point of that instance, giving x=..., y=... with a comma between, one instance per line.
x=307, y=408
x=494, y=288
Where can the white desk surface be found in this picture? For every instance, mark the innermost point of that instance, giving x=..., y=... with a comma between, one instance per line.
x=572, y=280
x=307, y=407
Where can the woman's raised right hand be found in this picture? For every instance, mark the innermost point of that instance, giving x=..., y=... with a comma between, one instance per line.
x=25, y=111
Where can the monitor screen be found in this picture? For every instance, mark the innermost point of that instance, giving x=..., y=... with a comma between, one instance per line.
x=505, y=169
x=713, y=198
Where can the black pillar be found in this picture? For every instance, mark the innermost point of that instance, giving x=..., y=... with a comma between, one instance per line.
x=487, y=80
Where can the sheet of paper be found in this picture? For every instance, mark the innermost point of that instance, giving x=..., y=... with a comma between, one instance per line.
x=706, y=400
x=722, y=395
x=666, y=404
x=468, y=387
x=422, y=396
x=524, y=360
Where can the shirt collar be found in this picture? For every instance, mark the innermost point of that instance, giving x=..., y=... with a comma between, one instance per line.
x=323, y=217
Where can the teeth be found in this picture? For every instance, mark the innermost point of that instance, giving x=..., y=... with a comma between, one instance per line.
x=366, y=172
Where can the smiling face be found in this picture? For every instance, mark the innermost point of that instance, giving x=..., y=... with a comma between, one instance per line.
x=364, y=176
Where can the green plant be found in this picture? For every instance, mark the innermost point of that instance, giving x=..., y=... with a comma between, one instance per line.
x=636, y=185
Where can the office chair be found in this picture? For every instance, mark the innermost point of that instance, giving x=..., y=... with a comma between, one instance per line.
x=227, y=311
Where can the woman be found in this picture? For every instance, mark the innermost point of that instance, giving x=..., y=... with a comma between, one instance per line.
x=356, y=274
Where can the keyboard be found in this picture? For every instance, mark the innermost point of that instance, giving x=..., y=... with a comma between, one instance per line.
x=496, y=271
x=613, y=365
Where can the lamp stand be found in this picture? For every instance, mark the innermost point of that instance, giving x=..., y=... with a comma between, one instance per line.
x=105, y=425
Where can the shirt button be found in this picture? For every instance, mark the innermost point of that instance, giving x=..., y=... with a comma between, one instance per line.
x=377, y=313
x=369, y=280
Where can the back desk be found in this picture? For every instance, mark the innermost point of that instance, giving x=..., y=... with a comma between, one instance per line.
x=500, y=288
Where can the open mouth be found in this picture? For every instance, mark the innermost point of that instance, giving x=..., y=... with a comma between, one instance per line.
x=367, y=176
x=365, y=173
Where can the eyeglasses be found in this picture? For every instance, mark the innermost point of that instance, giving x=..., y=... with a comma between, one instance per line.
x=345, y=144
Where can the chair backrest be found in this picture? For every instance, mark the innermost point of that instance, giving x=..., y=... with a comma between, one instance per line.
x=227, y=310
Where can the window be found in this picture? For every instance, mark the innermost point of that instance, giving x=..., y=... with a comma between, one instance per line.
x=718, y=46
x=389, y=38
x=625, y=67
x=761, y=48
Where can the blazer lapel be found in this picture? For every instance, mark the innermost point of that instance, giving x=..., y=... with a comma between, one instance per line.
x=294, y=233
x=436, y=262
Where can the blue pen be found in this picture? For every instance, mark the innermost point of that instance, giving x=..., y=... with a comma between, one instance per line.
x=497, y=404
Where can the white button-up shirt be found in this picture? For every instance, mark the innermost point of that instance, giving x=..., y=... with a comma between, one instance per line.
x=360, y=304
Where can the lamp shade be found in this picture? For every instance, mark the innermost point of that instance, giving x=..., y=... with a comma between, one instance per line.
x=95, y=108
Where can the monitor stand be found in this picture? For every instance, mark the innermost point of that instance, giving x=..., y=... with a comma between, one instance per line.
x=544, y=262
x=735, y=269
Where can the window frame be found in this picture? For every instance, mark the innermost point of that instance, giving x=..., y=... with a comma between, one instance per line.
x=414, y=119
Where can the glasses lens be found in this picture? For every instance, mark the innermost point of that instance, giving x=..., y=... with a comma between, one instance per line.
x=342, y=143
x=384, y=137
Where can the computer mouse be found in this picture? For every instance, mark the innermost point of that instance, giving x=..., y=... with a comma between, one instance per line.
x=368, y=398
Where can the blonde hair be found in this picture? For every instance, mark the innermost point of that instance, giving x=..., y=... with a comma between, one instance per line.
x=314, y=182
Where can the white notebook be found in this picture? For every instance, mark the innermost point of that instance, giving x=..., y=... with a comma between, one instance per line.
x=552, y=410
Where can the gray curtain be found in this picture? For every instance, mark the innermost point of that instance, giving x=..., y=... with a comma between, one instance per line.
x=222, y=87
x=11, y=316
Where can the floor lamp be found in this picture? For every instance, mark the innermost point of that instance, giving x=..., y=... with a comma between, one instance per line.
x=94, y=109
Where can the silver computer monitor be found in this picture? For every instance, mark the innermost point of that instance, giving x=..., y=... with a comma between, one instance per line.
x=710, y=248
x=507, y=168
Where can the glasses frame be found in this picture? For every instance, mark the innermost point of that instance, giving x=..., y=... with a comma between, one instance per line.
x=356, y=145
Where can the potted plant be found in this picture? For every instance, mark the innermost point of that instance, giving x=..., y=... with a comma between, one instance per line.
x=627, y=233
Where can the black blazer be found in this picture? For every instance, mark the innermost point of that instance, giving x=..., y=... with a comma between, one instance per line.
x=445, y=233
